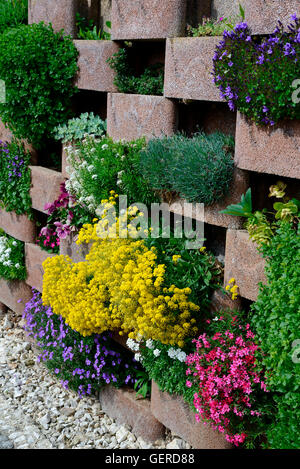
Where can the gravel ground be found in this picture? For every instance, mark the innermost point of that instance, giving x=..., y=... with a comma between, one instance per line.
x=37, y=413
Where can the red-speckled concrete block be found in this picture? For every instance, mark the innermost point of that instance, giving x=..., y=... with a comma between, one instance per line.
x=68, y=247
x=126, y=408
x=176, y=415
x=211, y=214
x=131, y=116
x=45, y=186
x=272, y=150
x=148, y=19
x=244, y=263
x=261, y=15
x=221, y=301
x=62, y=14
x=14, y=294
x=189, y=66
x=3, y=309
x=35, y=256
x=18, y=226
x=94, y=72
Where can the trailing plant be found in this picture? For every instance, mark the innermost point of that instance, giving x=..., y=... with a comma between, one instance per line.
x=15, y=178
x=79, y=127
x=64, y=216
x=12, y=258
x=276, y=321
x=198, y=169
x=38, y=67
x=231, y=391
x=150, y=82
x=88, y=30
x=256, y=76
x=13, y=13
x=82, y=364
x=121, y=286
x=98, y=166
x=275, y=314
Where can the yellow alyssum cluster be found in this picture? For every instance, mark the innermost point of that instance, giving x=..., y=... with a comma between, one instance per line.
x=119, y=286
x=233, y=288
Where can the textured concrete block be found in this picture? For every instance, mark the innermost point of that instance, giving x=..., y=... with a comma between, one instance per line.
x=14, y=294
x=272, y=150
x=244, y=263
x=221, y=301
x=131, y=116
x=176, y=415
x=62, y=14
x=18, y=226
x=68, y=247
x=45, y=186
x=94, y=72
x=189, y=66
x=148, y=19
x=35, y=256
x=261, y=15
x=211, y=213
x=126, y=408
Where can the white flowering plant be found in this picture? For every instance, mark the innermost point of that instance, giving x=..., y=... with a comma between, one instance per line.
x=12, y=258
x=165, y=365
x=98, y=166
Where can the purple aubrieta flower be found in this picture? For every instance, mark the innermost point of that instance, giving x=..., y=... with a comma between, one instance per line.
x=248, y=99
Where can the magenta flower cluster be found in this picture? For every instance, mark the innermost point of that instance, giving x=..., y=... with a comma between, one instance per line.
x=64, y=215
x=256, y=76
x=82, y=364
x=224, y=370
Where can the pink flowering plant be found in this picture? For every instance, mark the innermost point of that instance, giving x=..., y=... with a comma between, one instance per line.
x=230, y=391
x=64, y=216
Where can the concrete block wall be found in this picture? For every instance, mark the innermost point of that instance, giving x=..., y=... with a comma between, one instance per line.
x=188, y=80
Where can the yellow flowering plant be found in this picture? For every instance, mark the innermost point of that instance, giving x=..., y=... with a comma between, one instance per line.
x=122, y=284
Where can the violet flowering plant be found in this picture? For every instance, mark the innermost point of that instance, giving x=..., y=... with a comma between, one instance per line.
x=83, y=364
x=15, y=178
x=256, y=75
x=231, y=391
x=64, y=216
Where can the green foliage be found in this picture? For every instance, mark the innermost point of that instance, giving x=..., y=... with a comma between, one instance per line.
x=211, y=27
x=243, y=209
x=276, y=320
x=284, y=432
x=79, y=127
x=88, y=30
x=150, y=82
x=168, y=372
x=12, y=258
x=142, y=384
x=198, y=169
x=261, y=224
x=15, y=178
x=12, y=13
x=195, y=269
x=101, y=166
x=38, y=67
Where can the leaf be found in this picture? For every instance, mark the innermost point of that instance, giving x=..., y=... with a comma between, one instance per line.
x=242, y=12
